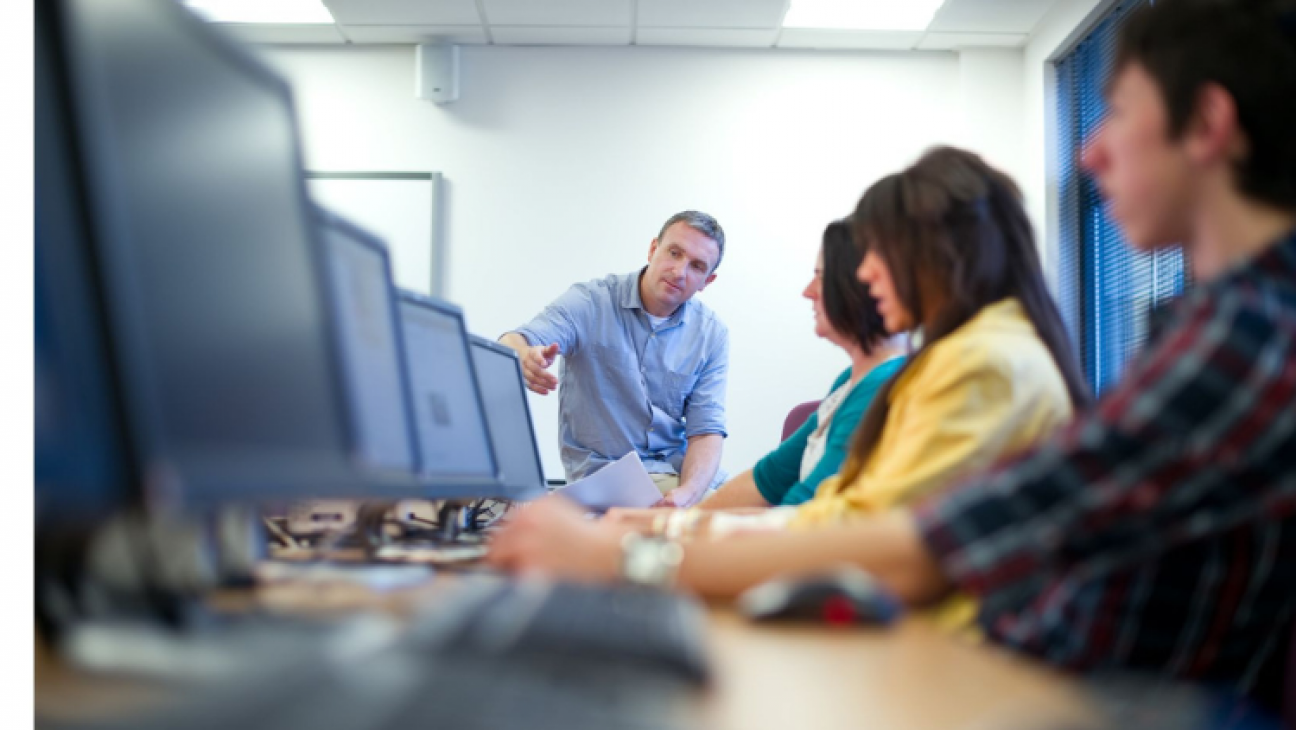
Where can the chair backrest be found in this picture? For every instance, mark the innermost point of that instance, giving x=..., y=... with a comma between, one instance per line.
x=798, y=416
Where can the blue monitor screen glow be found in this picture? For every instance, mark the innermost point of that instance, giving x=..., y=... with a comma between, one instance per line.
x=82, y=470
x=454, y=442
x=509, y=418
x=215, y=284
x=369, y=329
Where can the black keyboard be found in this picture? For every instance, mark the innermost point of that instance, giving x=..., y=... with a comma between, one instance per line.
x=655, y=631
x=402, y=690
x=495, y=654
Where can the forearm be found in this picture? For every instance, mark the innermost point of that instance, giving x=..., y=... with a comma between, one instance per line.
x=515, y=341
x=737, y=493
x=888, y=546
x=701, y=462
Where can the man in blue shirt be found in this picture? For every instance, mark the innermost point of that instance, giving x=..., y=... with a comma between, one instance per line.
x=644, y=364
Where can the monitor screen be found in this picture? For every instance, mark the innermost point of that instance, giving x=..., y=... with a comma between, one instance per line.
x=215, y=287
x=369, y=329
x=509, y=418
x=454, y=443
x=82, y=469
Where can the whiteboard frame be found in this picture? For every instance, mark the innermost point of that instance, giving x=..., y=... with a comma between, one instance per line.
x=437, y=276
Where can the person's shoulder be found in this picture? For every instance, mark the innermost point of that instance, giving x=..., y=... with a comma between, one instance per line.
x=612, y=284
x=706, y=317
x=601, y=291
x=979, y=354
x=885, y=370
x=1258, y=291
x=841, y=380
x=1247, y=310
x=963, y=349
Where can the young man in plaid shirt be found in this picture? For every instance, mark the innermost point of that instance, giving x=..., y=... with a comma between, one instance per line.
x=1158, y=532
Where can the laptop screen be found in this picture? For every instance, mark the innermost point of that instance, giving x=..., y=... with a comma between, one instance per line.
x=452, y=432
x=509, y=417
x=369, y=330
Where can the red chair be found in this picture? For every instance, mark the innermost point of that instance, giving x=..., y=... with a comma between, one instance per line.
x=798, y=416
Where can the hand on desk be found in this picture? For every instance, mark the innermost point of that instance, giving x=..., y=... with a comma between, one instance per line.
x=660, y=521
x=552, y=537
x=638, y=520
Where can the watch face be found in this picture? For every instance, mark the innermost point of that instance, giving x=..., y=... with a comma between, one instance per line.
x=652, y=562
x=641, y=563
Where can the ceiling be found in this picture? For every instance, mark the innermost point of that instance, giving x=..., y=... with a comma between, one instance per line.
x=707, y=23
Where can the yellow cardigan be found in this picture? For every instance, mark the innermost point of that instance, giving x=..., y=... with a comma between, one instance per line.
x=985, y=391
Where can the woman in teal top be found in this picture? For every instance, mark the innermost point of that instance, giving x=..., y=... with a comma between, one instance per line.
x=847, y=316
x=778, y=476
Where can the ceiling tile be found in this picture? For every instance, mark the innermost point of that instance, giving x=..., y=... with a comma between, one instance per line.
x=709, y=37
x=849, y=39
x=712, y=13
x=955, y=41
x=568, y=13
x=990, y=16
x=537, y=36
x=463, y=34
x=273, y=33
x=404, y=12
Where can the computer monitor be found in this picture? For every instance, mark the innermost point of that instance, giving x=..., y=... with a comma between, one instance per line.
x=213, y=283
x=454, y=442
x=83, y=472
x=509, y=416
x=372, y=346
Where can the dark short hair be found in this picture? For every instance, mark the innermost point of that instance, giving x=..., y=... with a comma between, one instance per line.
x=702, y=223
x=1248, y=47
x=847, y=303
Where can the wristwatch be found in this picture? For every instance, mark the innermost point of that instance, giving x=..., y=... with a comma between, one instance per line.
x=649, y=561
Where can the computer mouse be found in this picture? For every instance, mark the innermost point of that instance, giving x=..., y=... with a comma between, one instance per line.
x=845, y=595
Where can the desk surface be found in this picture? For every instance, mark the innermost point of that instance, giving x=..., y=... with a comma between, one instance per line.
x=779, y=677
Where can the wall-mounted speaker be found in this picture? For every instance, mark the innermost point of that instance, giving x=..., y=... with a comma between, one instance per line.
x=436, y=73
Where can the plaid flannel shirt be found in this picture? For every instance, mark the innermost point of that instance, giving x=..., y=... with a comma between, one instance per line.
x=1157, y=532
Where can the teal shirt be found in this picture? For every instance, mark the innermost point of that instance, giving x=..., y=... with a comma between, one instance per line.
x=778, y=475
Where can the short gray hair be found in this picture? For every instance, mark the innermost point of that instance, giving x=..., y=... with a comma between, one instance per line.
x=702, y=223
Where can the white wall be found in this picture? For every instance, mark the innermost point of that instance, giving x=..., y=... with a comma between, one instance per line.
x=561, y=163
x=993, y=107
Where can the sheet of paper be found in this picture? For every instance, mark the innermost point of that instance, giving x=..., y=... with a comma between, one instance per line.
x=623, y=483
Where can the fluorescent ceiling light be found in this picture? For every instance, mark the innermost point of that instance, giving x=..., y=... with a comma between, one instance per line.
x=303, y=12
x=862, y=14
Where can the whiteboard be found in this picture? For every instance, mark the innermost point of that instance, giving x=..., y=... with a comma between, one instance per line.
x=401, y=208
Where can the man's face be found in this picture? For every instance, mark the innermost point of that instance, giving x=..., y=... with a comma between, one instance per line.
x=1145, y=176
x=679, y=266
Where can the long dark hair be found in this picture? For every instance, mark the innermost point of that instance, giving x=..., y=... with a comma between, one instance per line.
x=952, y=229
x=850, y=309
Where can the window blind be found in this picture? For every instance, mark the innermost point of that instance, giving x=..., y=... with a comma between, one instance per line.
x=1106, y=290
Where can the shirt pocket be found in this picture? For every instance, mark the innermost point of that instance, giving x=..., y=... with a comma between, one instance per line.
x=679, y=386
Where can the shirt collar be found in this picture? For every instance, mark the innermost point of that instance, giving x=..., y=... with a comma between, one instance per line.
x=1279, y=260
x=630, y=298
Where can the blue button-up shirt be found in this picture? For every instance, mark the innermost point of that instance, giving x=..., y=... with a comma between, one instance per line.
x=625, y=386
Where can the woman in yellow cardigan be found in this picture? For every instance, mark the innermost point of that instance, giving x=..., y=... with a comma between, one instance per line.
x=950, y=250
x=949, y=253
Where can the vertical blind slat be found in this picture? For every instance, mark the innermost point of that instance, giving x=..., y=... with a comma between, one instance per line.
x=1106, y=290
